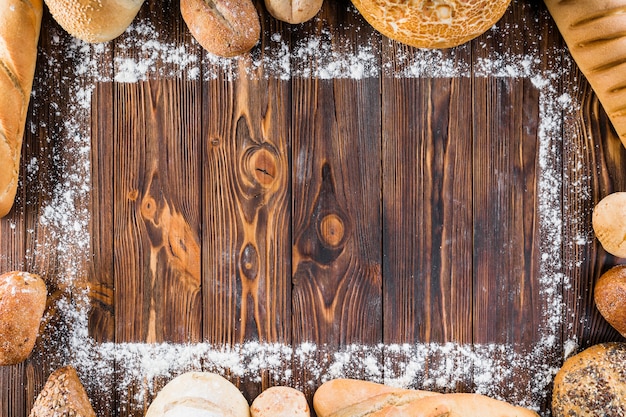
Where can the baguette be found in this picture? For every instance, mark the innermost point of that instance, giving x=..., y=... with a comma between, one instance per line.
x=20, y=24
x=94, y=21
x=595, y=33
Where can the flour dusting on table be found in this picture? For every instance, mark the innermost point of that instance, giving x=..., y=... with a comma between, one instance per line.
x=137, y=368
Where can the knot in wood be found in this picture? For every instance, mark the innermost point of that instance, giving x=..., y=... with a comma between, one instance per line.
x=263, y=166
x=332, y=230
x=249, y=262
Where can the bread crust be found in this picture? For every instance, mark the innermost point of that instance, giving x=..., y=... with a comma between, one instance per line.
x=20, y=24
x=610, y=297
x=280, y=402
x=293, y=11
x=592, y=383
x=609, y=223
x=432, y=23
x=63, y=395
x=94, y=21
x=22, y=304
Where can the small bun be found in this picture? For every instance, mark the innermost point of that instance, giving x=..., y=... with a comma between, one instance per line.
x=592, y=383
x=432, y=23
x=609, y=223
x=63, y=395
x=94, y=20
x=610, y=297
x=293, y=11
x=280, y=402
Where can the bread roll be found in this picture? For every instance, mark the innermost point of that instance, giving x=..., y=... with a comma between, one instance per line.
x=376, y=400
x=223, y=27
x=609, y=223
x=199, y=393
x=592, y=383
x=595, y=33
x=20, y=23
x=293, y=11
x=63, y=395
x=280, y=402
x=94, y=20
x=22, y=304
x=610, y=297
x=433, y=23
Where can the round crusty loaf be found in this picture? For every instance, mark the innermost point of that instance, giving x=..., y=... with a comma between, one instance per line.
x=432, y=23
x=94, y=20
x=610, y=297
x=592, y=383
x=609, y=223
x=225, y=28
x=22, y=304
x=293, y=11
x=199, y=393
x=280, y=402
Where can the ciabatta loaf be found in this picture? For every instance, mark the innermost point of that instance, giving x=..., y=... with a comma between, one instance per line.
x=432, y=23
x=20, y=23
x=595, y=33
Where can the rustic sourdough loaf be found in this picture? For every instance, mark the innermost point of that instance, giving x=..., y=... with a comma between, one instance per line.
x=20, y=23
x=610, y=297
x=595, y=33
x=22, y=304
x=94, y=20
x=63, y=395
x=432, y=23
x=592, y=383
x=609, y=223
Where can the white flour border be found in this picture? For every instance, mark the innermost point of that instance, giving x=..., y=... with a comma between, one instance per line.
x=491, y=365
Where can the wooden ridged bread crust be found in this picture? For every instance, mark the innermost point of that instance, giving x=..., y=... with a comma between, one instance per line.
x=20, y=23
x=432, y=23
x=595, y=33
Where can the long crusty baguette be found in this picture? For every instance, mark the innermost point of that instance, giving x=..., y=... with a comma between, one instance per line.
x=20, y=23
x=595, y=33
x=377, y=400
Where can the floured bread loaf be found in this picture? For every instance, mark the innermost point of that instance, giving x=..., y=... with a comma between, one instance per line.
x=609, y=223
x=280, y=402
x=592, y=383
x=63, y=395
x=199, y=394
x=94, y=20
x=432, y=23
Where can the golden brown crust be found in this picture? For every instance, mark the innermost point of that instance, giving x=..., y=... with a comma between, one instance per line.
x=432, y=23
x=610, y=297
x=595, y=35
x=592, y=383
x=223, y=27
x=63, y=395
x=22, y=304
x=20, y=23
x=94, y=20
x=609, y=223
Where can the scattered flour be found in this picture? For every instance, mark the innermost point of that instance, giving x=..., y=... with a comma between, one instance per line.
x=441, y=367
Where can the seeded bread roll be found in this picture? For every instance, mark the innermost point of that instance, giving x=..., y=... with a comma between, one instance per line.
x=609, y=223
x=20, y=23
x=94, y=21
x=432, y=23
x=595, y=33
x=592, y=383
x=22, y=304
x=63, y=395
x=610, y=297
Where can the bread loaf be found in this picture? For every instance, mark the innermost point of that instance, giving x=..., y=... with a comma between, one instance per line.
x=199, y=393
x=20, y=23
x=293, y=11
x=337, y=399
x=609, y=223
x=223, y=27
x=433, y=23
x=610, y=297
x=94, y=20
x=592, y=383
x=595, y=33
x=280, y=402
x=63, y=395
x=22, y=304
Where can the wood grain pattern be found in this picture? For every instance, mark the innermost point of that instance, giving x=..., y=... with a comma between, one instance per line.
x=234, y=205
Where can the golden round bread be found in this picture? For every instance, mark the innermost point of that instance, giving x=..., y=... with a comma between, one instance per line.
x=609, y=223
x=610, y=297
x=22, y=304
x=592, y=383
x=293, y=11
x=280, y=402
x=432, y=23
x=94, y=21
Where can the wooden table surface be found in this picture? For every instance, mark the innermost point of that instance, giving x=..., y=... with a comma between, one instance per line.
x=331, y=204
